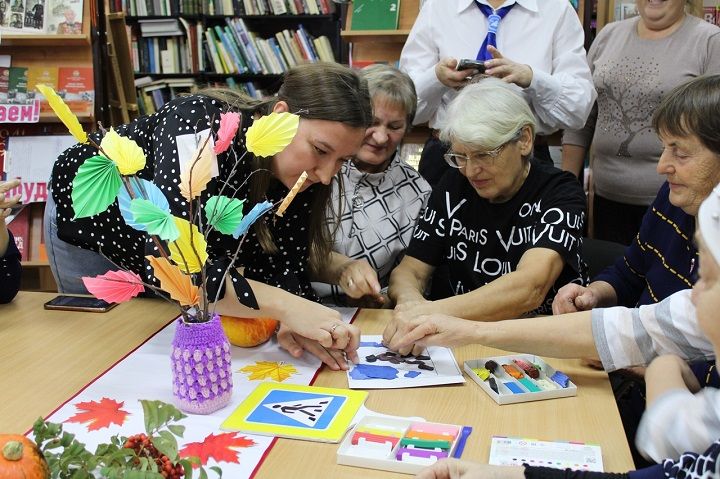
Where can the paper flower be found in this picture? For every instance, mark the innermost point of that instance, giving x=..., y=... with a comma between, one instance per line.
x=141, y=189
x=63, y=113
x=229, y=123
x=189, y=251
x=126, y=154
x=197, y=174
x=174, y=282
x=95, y=186
x=250, y=218
x=156, y=221
x=270, y=134
x=114, y=286
x=223, y=213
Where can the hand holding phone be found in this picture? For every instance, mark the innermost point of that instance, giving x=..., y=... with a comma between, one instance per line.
x=468, y=64
x=86, y=304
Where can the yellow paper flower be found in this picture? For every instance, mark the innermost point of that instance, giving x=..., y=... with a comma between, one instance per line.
x=63, y=113
x=189, y=251
x=269, y=369
x=124, y=152
x=270, y=134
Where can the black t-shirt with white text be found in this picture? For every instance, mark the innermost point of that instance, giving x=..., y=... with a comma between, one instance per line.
x=480, y=241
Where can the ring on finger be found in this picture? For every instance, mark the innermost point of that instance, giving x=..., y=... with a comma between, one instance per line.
x=334, y=327
x=350, y=282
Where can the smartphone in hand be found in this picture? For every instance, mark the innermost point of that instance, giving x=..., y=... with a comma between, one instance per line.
x=79, y=303
x=468, y=64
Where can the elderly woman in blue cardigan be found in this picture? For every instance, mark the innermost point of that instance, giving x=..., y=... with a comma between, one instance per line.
x=9, y=254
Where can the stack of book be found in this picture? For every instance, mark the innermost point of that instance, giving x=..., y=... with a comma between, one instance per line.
x=174, y=8
x=184, y=47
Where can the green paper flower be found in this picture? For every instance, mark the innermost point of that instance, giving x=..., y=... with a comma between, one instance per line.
x=95, y=187
x=157, y=220
x=223, y=213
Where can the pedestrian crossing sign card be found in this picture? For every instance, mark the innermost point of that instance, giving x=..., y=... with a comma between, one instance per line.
x=297, y=412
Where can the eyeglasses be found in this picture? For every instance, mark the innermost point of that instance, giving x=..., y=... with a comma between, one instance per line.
x=484, y=159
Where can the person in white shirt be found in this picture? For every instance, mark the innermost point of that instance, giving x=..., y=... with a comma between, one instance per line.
x=539, y=48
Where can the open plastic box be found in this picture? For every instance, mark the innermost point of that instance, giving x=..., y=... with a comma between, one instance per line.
x=381, y=443
x=506, y=383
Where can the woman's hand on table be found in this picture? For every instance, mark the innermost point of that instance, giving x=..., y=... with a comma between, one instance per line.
x=457, y=469
x=572, y=298
x=402, y=321
x=321, y=326
x=359, y=281
x=335, y=359
x=432, y=330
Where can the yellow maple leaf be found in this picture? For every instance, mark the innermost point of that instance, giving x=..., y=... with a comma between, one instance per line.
x=277, y=371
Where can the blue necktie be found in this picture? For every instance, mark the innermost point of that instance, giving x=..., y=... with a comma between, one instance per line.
x=494, y=17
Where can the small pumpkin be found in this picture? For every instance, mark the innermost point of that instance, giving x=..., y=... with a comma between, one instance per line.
x=21, y=458
x=248, y=332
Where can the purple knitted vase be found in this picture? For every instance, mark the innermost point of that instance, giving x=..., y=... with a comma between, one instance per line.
x=201, y=366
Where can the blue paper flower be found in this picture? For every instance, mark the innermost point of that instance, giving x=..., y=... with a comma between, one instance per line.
x=250, y=218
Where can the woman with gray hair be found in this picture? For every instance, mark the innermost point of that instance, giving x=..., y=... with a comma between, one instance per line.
x=507, y=228
x=380, y=197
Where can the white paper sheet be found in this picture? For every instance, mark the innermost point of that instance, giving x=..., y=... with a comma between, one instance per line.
x=515, y=451
x=403, y=372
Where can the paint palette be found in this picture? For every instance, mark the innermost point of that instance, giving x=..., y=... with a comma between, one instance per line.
x=519, y=378
x=400, y=445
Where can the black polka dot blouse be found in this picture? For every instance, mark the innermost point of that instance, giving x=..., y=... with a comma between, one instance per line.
x=156, y=135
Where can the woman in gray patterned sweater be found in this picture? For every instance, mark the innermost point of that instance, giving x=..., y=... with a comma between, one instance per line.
x=380, y=197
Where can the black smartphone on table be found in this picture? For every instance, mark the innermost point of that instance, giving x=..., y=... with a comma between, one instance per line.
x=86, y=304
x=468, y=64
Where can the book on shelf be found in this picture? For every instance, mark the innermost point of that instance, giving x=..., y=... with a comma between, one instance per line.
x=42, y=75
x=163, y=27
x=66, y=17
x=75, y=86
x=18, y=85
x=375, y=14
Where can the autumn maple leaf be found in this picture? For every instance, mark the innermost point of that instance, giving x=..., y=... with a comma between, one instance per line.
x=99, y=414
x=278, y=371
x=217, y=447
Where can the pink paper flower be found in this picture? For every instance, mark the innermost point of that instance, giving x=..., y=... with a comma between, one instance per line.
x=229, y=123
x=114, y=286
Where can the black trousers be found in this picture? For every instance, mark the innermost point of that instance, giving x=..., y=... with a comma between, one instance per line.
x=433, y=166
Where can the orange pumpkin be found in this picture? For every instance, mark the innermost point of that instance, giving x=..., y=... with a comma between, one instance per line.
x=21, y=458
x=248, y=332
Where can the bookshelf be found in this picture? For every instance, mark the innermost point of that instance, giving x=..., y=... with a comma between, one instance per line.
x=252, y=53
x=43, y=50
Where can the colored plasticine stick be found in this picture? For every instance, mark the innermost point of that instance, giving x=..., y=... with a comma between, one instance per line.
x=466, y=430
x=374, y=438
x=514, y=388
x=423, y=453
x=529, y=385
x=425, y=444
x=429, y=436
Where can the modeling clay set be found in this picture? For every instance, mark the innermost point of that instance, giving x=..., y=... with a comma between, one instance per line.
x=400, y=445
x=519, y=378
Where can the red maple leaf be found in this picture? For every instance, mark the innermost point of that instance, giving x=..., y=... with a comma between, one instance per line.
x=99, y=414
x=218, y=447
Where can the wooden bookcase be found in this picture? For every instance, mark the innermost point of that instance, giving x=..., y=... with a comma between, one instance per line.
x=60, y=51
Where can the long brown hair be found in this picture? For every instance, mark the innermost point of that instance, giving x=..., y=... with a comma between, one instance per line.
x=314, y=91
